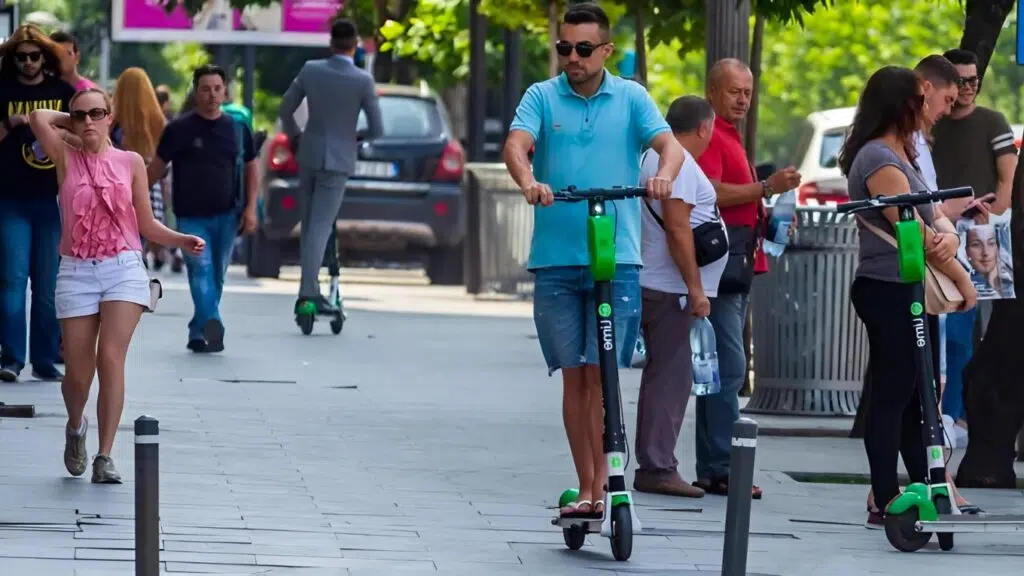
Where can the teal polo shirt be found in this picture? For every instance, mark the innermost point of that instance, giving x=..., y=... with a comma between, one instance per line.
x=591, y=142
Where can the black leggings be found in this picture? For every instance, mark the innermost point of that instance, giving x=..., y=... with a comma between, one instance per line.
x=894, y=422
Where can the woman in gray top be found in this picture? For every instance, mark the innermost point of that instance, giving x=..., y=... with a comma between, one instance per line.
x=878, y=159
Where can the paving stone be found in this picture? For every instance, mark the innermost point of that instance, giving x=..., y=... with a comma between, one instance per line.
x=447, y=458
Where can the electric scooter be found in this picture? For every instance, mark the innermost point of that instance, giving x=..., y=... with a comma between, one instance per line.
x=619, y=521
x=306, y=311
x=925, y=509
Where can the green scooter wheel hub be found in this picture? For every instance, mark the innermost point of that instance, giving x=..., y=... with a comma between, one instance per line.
x=568, y=497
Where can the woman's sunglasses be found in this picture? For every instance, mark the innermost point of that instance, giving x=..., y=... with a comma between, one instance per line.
x=584, y=49
x=95, y=114
x=23, y=57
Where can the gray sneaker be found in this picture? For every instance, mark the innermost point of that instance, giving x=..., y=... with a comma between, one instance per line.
x=75, y=455
x=103, y=471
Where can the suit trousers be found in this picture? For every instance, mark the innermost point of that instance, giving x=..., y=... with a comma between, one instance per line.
x=320, y=196
x=666, y=382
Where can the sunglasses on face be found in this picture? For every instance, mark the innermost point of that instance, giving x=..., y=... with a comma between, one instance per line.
x=584, y=49
x=965, y=81
x=95, y=114
x=34, y=56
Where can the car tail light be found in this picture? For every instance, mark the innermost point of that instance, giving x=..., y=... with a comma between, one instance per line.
x=810, y=195
x=449, y=168
x=288, y=203
x=280, y=155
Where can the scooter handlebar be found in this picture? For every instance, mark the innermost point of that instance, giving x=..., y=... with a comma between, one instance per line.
x=573, y=194
x=909, y=199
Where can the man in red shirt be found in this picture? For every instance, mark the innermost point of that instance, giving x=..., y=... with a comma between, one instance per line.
x=730, y=85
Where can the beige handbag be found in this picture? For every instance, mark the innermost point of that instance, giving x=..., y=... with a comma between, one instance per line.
x=941, y=296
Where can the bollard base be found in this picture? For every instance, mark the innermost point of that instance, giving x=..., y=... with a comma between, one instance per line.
x=17, y=410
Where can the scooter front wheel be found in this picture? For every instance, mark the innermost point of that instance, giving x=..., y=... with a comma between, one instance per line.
x=622, y=532
x=944, y=507
x=901, y=533
x=337, y=323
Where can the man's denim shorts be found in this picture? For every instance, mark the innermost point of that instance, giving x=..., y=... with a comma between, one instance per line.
x=566, y=319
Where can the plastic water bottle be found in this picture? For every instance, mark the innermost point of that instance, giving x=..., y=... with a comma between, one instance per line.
x=779, y=224
x=704, y=357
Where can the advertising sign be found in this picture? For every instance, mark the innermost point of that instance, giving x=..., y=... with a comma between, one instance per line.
x=284, y=23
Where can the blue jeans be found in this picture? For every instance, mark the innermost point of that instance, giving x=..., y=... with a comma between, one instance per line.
x=717, y=413
x=29, y=250
x=959, y=348
x=206, y=271
x=563, y=312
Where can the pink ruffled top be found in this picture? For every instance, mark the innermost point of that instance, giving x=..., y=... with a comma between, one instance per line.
x=97, y=216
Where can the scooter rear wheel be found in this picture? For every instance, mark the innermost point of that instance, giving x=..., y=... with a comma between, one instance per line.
x=622, y=532
x=899, y=530
x=575, y=537
x=305, y=322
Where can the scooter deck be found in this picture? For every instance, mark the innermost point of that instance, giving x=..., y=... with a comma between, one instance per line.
x=592, y=524
x=962, y=523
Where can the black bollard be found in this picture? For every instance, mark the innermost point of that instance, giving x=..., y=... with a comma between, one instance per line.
x=147, y=496
x=737, y=511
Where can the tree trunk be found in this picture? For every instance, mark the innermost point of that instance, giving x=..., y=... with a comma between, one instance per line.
x=553, y=18
x=640, y=35
x=993, y=397
x=983, y=21
x=755, y=67
x=385, y=68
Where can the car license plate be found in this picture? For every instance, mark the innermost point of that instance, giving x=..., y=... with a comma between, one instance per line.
x=376, y=169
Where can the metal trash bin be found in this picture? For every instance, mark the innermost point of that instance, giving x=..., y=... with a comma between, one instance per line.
x=499, y=232
x=810, y=348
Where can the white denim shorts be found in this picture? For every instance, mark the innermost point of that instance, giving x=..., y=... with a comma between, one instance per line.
x=83, y=283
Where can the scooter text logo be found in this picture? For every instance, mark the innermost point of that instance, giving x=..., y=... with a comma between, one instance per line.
x=919, y=331
x=607, y=340
x=916, y=308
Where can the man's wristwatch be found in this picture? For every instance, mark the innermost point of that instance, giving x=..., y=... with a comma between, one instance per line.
x=766, y=190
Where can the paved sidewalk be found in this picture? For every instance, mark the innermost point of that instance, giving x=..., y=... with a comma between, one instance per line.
x=426, y=439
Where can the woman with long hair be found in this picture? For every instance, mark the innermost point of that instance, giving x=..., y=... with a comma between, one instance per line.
x=102, y=285
x=138, y=122
x=879, y=159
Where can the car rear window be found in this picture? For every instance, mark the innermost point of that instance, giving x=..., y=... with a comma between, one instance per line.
x=401, y=116
x=831, y=143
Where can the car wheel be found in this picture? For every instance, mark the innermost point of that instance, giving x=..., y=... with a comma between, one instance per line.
x=263, y=256
x=444, y=266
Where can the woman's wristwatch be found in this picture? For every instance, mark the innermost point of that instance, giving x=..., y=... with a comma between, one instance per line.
x=766, y=189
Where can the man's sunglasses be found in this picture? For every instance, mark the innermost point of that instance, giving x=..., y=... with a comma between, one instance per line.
x=584, y=49
x=964, y=81
x=34, y=56
x=96, y=114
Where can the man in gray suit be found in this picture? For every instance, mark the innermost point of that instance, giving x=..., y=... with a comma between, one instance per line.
x=335, y=90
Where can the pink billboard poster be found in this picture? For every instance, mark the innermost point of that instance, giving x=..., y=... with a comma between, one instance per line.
x=302, y=16
x=308, y=15
x=152, y=14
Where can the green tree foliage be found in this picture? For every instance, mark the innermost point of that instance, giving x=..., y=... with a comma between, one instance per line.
x=825, y=63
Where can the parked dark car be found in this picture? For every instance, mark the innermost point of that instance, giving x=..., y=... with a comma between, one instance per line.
x=403, y=202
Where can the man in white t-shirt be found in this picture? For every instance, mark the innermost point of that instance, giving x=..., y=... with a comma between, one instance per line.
x=674, y=289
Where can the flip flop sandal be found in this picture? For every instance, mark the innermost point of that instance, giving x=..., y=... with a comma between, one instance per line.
x=971, y=509
x=598, y=509
x=573, y=510
x=720, y=487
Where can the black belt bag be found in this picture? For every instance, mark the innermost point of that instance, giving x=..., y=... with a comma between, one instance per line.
x=739, y=270
x=709, y=239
